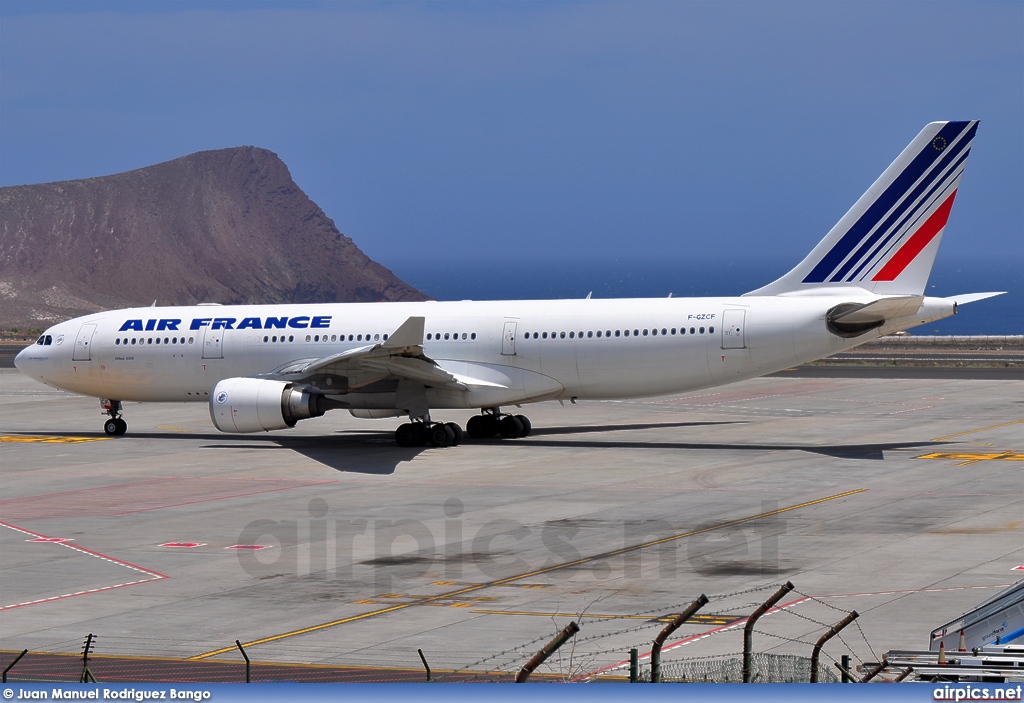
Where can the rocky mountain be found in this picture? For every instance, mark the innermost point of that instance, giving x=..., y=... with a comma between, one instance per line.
x=224, y=226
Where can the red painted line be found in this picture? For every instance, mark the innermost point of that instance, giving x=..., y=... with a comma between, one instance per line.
x=211, y=499
x=913, y=590
x=912, y=410
x=84, y=490
x=154, y=575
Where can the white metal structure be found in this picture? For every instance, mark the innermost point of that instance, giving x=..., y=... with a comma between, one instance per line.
x=265, y=367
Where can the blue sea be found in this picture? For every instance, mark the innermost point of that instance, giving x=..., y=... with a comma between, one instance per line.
x=518, y=279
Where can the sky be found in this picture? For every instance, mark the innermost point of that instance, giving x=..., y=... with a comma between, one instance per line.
x=451, y=137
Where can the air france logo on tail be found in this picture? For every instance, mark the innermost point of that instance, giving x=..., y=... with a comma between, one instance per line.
x=911, y=208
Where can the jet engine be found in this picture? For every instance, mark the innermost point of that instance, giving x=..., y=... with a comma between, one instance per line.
x=254, y=405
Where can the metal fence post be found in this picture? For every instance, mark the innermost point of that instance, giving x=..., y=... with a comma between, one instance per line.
x=634, y=665
x=876, y=671
x=424, y=660
x=549, y=649
x=833, y=631
x=845, y=660
x=11, y=665
x=246, y=656
x=748, y=630
x=86, y=649
x=669, y=629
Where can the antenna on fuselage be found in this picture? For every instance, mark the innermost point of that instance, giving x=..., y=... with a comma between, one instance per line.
x=153, y=305
x=589, y=294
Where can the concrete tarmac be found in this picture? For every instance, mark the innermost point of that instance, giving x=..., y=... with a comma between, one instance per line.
x=328, y=544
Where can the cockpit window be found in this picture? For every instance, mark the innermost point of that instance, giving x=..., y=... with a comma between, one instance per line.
x=44, y=340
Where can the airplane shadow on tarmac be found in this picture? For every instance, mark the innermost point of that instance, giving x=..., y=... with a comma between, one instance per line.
x=374, y=452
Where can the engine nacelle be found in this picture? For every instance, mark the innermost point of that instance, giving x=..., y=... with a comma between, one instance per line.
x=256, y=405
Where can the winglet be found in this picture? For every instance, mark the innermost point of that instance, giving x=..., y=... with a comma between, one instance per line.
x=409, y=334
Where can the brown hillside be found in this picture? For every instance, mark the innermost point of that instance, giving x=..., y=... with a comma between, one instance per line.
x=224, y=226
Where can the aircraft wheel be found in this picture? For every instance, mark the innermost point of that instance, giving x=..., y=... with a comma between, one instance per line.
x=456, y=433
x=491, y=423
x=112, y=427
x=510, y=427
x=122, y=426
x=406, y=435
x=476, y=427
x=441, y=435
x=527, y=425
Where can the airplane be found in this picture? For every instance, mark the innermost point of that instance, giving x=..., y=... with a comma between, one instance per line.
x=266, y=367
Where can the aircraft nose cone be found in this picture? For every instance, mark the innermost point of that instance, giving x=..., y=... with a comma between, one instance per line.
x=24, y=362
x=20, y=359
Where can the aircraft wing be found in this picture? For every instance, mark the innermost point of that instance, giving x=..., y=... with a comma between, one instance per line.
x=400, y=357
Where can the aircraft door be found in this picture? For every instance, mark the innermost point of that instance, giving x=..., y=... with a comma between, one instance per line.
x=508, y=339
x=733, y=336
x=213, y=344
x=83, y=344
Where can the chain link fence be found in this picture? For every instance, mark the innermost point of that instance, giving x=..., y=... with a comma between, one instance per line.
x=767, y=668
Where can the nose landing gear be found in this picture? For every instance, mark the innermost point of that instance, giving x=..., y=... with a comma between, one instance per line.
x=115, y=426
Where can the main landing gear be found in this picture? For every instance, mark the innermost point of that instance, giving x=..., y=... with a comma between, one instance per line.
x=492, y=423
x=115, y=426
x=420, y=432
x=495, y=423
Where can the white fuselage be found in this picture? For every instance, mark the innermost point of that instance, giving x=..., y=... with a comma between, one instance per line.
x=527, y=350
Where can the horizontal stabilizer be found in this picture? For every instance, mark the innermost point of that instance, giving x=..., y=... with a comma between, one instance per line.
x=972, y=297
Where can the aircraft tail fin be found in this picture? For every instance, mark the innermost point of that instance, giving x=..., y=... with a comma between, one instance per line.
x=887, y=241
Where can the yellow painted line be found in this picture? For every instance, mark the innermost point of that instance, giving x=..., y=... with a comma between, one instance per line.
x=982, y=429
x=519, y=577
x=52, y=439
x=695, y=619
x=973, y=457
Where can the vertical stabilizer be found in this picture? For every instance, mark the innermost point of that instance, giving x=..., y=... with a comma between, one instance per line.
x=887, y=242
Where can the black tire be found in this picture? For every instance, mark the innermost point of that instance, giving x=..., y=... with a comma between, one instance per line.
x=111, y=427
x=476, y=427
x=456, y=433
x=510, y=427
x=122, y=426
x=527, y=425
x=422, y=433
x=490, y=425
x=441, y=435
x=405, y=435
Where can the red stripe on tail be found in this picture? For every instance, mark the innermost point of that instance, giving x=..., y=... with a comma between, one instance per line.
x=917, y=242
